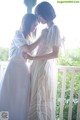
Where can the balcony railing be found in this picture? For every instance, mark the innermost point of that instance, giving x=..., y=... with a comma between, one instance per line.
x=73, y=71
x=63, y=69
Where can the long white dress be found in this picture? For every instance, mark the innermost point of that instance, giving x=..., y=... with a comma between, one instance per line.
x=44, y=78
x=15, y=84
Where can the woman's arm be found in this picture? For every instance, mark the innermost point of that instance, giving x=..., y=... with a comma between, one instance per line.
x=29, y=48
x=51, y=55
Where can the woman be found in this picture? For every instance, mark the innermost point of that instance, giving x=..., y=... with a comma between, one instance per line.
x=43, y=69
x=15, y=84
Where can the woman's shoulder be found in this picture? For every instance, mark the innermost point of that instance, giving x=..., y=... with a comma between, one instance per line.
x=18, y=34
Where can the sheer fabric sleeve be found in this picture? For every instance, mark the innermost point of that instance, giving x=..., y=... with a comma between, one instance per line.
x=19, y=39
x=19, y=42
x=53, y=36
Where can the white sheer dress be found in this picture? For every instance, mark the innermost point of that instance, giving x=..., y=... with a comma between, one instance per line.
x=44, y=78
x=15, y=83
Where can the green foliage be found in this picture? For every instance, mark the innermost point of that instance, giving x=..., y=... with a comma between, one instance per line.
x=72, y=58
x=67, y=95
x=4, y=54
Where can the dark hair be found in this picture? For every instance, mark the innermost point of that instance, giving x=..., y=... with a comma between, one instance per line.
x=45, y=10
x=27, y=21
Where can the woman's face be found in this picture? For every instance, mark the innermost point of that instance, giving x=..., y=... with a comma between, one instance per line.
x=34, y=25
x=41, y=19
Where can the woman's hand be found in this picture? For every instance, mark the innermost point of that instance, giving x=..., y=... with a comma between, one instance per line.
x=24, y=54
x=27, y=56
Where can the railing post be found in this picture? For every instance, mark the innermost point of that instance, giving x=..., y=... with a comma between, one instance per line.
x=78, y=107
x=71, y=96
x=2, y=67
x=62, y=95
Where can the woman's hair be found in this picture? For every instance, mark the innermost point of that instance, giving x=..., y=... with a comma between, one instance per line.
x=45, y=10
x=27, y=21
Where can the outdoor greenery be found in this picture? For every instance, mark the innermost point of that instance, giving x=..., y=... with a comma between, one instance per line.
x=4, y=54
x=71, y=58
